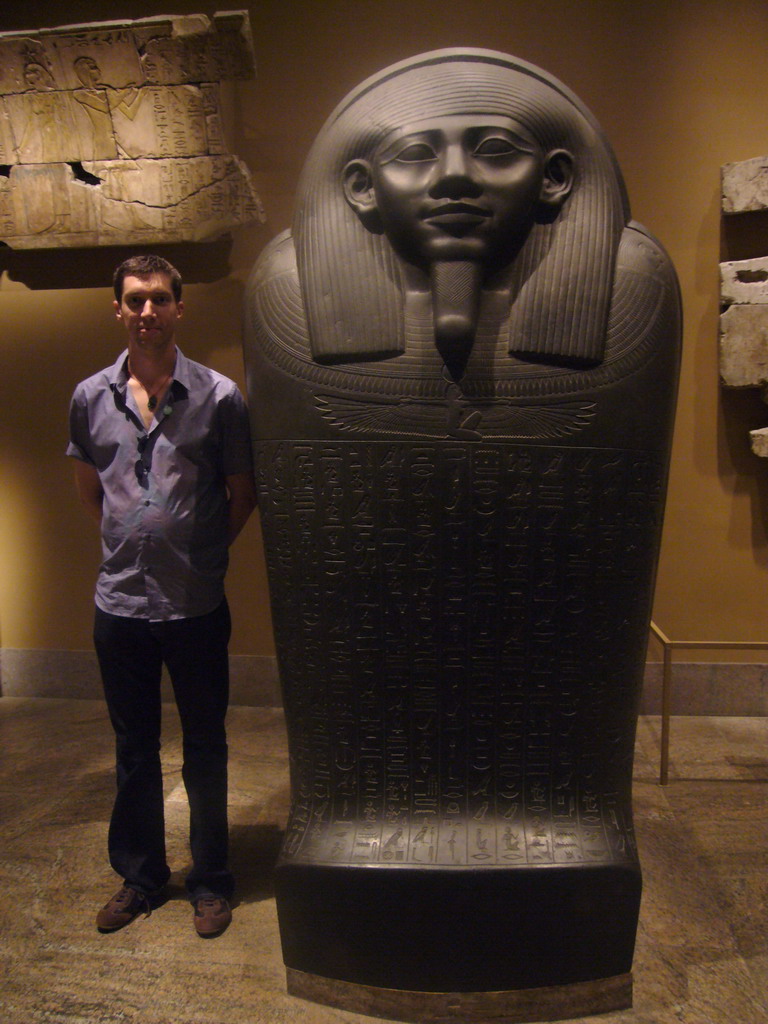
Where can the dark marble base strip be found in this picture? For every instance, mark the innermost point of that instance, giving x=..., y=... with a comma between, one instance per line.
x=535, y=1004
x=709, y=688
x=75, y=674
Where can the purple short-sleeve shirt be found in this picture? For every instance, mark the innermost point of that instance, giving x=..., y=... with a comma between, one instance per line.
x=164, y=524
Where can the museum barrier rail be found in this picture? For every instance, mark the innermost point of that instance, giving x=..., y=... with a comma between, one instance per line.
x=668, y=646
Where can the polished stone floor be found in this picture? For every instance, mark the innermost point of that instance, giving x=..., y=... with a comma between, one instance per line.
x=702, y=948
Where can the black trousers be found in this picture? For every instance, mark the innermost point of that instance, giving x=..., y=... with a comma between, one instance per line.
x=131, y=654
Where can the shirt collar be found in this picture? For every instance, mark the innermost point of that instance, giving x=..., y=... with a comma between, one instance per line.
x=118, y=372
x=181, y=370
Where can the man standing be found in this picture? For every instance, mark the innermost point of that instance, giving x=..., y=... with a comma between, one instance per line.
x=164, y=466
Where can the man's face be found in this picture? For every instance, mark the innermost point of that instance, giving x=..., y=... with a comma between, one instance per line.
x=149, y=311
x=463, y=187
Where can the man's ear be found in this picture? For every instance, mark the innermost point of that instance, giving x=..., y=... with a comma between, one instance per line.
x=357, y=181
x=558, y=181
x=118, y=314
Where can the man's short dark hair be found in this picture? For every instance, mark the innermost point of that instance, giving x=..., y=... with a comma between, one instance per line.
x=143, y=267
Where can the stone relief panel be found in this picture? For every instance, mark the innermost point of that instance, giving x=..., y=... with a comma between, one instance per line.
x=111, y=133
x=744, y=293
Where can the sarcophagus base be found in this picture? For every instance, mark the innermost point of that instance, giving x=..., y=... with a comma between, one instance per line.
x=464, y=930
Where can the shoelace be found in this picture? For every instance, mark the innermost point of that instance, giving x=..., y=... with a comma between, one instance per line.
x=127, y=895
x=207, y=902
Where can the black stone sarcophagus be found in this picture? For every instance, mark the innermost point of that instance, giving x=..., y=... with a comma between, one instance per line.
x=462, y=367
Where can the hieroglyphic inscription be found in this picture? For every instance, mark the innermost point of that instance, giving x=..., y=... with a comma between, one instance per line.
x=454, y=618
x=146, y=200
x=112, y=133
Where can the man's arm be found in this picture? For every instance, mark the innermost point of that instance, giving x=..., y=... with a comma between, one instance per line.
x=242, y=501
x=89, y=489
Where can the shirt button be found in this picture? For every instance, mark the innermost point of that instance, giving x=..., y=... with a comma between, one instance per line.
x=146, y=503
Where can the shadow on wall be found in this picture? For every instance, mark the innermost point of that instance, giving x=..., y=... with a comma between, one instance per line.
x=43, y=269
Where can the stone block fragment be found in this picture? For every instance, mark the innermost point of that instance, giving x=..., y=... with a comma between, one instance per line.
x=745, y=185
x=744, y=281
x=744, y=346
x=150, y=201
x=24, y=64
x=162, y=122
x=57, y=127
x=94, y=56
x=759, y=442
x=190, y=53
x=7, y=148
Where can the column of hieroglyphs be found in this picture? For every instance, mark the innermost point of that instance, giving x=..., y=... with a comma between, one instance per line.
x=744, y=293
x=111, y=133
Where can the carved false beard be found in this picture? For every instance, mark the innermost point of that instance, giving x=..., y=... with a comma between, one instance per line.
x=455, y=307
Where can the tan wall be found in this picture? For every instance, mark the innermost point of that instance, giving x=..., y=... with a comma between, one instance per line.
x=679, y=87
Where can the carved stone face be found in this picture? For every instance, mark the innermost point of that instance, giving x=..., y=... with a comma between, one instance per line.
x=537, y=204
x=462, y=187
x=88, y=72
x=38, y=77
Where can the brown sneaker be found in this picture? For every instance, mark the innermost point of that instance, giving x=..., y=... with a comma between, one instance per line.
x=126, y=904
x=212, y=915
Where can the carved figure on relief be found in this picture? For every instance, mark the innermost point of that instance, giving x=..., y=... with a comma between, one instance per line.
x=99, y=101
x=41, y=139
